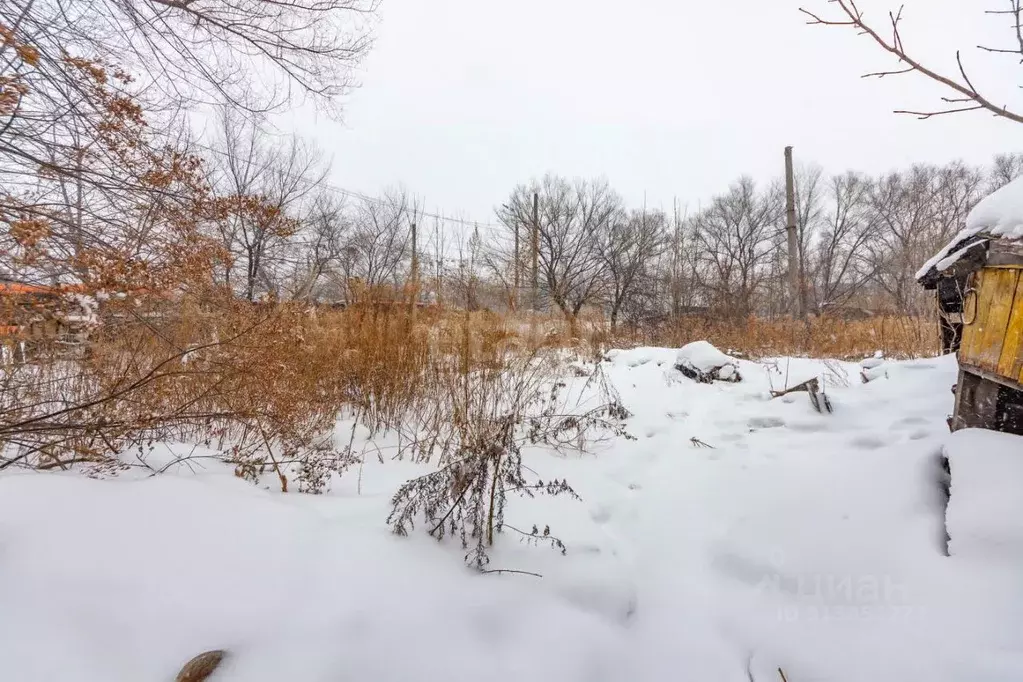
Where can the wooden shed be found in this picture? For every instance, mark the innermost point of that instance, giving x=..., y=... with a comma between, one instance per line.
x=979, y=282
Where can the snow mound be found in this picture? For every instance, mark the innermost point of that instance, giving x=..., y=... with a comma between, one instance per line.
x=985, y=510
x=702, y=361
x=118, y=581
x=873, y=368
x=876, y=360
x=1000, y=214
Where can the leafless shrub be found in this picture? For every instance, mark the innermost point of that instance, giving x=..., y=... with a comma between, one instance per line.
x=495, y=407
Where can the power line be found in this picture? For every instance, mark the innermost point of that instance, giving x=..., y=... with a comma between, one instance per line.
x=493, y=228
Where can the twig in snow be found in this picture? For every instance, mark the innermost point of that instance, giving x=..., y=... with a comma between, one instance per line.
x=700, y=444
x=509, y=570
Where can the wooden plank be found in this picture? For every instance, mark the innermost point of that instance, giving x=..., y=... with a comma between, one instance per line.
x=978, y=301
x=991, y=376
x=1010, y=364
x=976, y=400
x=1003, y=290
x=1004, y=251
x=959, y=403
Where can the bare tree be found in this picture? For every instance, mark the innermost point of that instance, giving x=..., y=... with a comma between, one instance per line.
x=628, y=248
x=963, y=95
x=959, y=188
x=503, y=264
x=87, y=182
x=572, y=216
x=1004, y=169
x=679, y=265
x=839, y=266
x=319, y=245
x=468, y=275
x=379, y=249
x=254, y=54
x=264, y=182
x=75, y=73
x=735, y=238
x=809, y=213
x=905, y=207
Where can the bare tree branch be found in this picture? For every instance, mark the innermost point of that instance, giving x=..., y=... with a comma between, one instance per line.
x=963, y=86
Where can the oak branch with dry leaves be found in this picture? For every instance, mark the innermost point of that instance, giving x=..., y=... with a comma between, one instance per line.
x=963, y=95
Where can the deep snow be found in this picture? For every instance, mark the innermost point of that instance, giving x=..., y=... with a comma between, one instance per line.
x=737, y=535
x=985, y=512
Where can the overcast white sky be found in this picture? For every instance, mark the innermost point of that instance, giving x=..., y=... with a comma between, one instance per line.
x=463, y=99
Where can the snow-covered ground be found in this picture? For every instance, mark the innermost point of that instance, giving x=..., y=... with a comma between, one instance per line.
x=736, y=535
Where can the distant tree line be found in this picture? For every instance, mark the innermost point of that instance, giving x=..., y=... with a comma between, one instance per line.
x=861, y=241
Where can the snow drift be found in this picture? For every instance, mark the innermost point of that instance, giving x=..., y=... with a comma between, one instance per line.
x=985, y=510
x=703, y=362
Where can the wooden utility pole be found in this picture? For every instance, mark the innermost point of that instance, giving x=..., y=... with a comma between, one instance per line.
x=536, y=248
x=440, y=243
x=415, y=269
x=790, y=226
x=518, y=262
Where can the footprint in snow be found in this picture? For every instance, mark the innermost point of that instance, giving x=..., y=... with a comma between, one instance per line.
x=766, y=422
x=809, y=427
x=867, y=442
x=601, y=514
x=908, y=422
x=748, y=571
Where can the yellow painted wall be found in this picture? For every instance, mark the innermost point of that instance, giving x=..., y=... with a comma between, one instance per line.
x=993, y=339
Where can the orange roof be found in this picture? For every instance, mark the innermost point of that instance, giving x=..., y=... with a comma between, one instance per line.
x=14, y=288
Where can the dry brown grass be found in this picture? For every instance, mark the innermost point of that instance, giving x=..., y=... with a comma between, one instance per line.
x=823, y=337
x=265, y=385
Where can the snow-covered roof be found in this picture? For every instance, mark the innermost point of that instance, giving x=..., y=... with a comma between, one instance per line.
x=1000, y=214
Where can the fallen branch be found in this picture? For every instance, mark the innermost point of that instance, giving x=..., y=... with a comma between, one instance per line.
x=810, y=386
